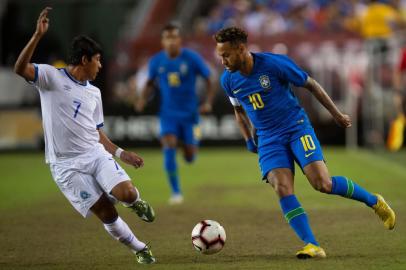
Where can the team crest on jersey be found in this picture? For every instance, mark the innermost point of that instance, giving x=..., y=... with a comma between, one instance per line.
x=161, y=69
x=183, y=68
x=84, y=195
x=265, y=82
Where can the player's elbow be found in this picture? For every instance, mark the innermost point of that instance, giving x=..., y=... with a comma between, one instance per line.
x=17, y=69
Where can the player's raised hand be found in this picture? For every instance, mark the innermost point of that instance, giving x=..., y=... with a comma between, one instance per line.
x=132, y=159
x=205, y=108
x=139, y=105
x=343, y=120
x=43, y=22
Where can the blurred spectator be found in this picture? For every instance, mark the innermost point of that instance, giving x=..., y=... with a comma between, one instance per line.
x=270, y=17
x=379, y=20
x=397, y=126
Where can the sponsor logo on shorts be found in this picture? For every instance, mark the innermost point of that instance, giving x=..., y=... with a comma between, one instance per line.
x=84, y=195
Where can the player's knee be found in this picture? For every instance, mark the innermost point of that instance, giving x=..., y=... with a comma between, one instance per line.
x=322, y=184
x=283, y=190
x=129, y=195
x=169, y=141
x=125, y=192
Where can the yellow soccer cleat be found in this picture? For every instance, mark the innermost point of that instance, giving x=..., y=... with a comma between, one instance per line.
x=383, y=210
x=311, y=251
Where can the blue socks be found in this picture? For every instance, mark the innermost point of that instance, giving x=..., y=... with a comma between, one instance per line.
x=347, y=188
x=297, y=218
x=171, y=169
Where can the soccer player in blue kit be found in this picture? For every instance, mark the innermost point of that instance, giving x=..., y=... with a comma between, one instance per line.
x=259, y=87
x=175, y=70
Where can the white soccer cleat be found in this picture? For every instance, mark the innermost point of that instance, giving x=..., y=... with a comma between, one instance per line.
x=176, y=199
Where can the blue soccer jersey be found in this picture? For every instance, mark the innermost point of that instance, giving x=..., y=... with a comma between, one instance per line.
x=266, y=93
x=283, y=128
x=176, y=78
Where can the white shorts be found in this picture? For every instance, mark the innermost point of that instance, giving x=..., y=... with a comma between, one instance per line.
x=85, y=178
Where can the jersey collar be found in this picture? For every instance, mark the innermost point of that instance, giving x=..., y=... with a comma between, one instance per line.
x=73, y=79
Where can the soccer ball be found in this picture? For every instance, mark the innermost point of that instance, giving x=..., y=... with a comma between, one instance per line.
x=208, y=237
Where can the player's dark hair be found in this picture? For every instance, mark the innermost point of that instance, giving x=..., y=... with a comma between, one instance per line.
x=170, y=26
x=234, y=35
x=82, y=46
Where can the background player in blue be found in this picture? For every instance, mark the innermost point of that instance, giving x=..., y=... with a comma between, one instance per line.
x=175, y=70
x=258, y=85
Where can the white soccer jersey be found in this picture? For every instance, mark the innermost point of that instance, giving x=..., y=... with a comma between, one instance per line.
x=71, y=113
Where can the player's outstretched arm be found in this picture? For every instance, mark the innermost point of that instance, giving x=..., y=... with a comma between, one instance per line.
x=207, y=106
x=145, y=93
x=125, y=156
x=318, y=91
x=23, y=67
x=246, y=128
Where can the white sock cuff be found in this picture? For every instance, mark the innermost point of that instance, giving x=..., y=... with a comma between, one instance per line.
x=116, y=224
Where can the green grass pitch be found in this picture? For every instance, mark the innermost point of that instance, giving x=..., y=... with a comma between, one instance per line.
x=40, y=230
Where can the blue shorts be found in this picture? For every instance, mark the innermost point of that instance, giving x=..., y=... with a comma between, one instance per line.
x=283, y=150
x=187, y=131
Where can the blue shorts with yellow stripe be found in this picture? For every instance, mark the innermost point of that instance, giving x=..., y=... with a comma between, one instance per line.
x=282, y=150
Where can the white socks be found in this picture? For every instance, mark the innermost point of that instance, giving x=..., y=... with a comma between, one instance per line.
x=120, y=231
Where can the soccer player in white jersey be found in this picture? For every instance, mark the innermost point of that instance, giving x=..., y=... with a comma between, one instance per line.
x=80, y=155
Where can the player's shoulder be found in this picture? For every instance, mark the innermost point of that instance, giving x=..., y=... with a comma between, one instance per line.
x=225, y=79
x=158, y=56
x=92, y=87
x=271, y=58
x=47, y=68
x=273, y=62
x=226, y=75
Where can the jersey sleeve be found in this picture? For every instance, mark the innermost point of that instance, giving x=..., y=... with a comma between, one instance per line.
x=200, y=65
x=98, y=113
x=224, y=81
x=43, y=74
x=287, y=70
x=152, y=69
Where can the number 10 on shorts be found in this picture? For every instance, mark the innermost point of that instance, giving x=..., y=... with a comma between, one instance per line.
x=307, y=142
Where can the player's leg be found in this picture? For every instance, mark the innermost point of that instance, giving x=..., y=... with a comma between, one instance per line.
x=119, y=230
x=309, y=155
x=281, y=180
x=86, y=195
x=126, y=193
x=169, y=143
x=115, y=182
x=318, y=176
x=277, y=167
x=190, y=135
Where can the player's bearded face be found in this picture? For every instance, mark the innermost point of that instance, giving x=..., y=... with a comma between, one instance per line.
x=171, y=41
x=230, y=55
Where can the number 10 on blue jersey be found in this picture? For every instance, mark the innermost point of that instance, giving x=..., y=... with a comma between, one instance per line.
x=256, y=101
